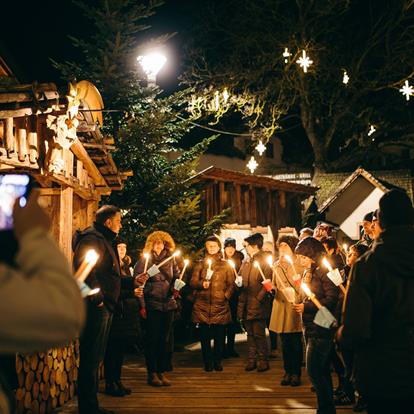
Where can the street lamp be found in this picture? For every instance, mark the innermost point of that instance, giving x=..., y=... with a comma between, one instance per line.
x=151, y=65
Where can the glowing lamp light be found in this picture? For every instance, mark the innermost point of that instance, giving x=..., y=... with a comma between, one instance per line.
x=345, y=78
x=186, y=262
x=304, y=61
x=260, y=147
x=371, y=130
x=407, y=90
x=152, y=64
x=327, y=264
x=176, y=253
x=286, y=54
x=252, y=165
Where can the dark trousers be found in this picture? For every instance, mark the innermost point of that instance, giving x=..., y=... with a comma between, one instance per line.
x=158, y=328
x=230, y=335
x=292, y=351
x=389, y=406
x=318, y=353
x=256, y=339
x=207, y=333
x=92, y=350
x=114, y=358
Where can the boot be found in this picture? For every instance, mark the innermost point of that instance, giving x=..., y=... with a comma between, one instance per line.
x=164, y=380
x=295, y=381
x=126, y=390
x=208, y=366
x=285, y=380
x=111, y=388
x=153, y=380
x=218, y=366
x=251, y=365
x=262, y=365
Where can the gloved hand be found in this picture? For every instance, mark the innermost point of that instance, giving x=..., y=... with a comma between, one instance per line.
x=176, y=293
x=143, y=313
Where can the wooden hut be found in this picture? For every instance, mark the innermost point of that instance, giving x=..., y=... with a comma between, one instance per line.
x=57, y=139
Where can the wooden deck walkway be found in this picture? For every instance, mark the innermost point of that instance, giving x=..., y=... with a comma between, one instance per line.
x=195, y=391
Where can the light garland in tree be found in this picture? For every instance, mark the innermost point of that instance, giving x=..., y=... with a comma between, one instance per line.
x=304, y=61
x=372, y=130
x=407, y=90
x=345, y=78
x=260, y=148
x=252, y=165
x=286, y=54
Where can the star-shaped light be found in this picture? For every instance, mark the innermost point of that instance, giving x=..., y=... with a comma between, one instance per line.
x=304, y=62
x=260, y=148
x=372, y=129
x=407, y=90
x=286, y=54
x=252, y=165
x=345, y=79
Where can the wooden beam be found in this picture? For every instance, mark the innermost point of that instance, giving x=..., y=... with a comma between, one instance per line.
x=253, y=207
x=237, y=202
x=65, y=221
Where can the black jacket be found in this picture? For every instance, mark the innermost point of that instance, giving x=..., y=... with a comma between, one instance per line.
x=379, y=316
x=106, y=273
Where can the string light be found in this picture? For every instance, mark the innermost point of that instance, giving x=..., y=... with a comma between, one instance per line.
x=304, y=62
x=252, y=165
x=407, y=90
x=217, y=100
x=286, y=54
x=226, y=95
x=260, y=148
x=345, y=78
x=372, y=129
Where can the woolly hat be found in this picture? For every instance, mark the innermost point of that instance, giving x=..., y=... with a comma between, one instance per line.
x=255, y=239
x=395, y=209
x=368, y=216
x=230, y=242
x=312, y=248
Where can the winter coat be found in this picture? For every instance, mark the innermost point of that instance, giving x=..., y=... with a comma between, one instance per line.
x=158, y=290
x=284, y=319
x=379, y=316
x=326, y=293
x=237, y=259
x=211, y=305
x=106, y=273
x=254, y=301
x=234, y=300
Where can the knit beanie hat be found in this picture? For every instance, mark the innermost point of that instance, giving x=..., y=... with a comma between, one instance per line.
x=312, y=248
x=230, y=242
x=395, y=209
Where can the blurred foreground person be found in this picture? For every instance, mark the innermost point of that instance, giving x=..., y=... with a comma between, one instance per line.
x=40, y=301
x=378, y=321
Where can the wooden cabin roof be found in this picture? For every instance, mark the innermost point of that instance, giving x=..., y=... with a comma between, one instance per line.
x=219, y=174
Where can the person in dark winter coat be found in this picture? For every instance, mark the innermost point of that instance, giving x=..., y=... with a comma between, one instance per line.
x=255, y=303
x=105, y=275
x=378, y=320
x=319, y=340
x=125, y=329
x=232, y=328
x=159, y=306
x=213, y=282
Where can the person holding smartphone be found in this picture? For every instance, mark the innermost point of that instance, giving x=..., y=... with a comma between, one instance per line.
x=40, y=302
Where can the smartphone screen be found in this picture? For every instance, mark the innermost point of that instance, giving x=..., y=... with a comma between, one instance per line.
x=12, y=187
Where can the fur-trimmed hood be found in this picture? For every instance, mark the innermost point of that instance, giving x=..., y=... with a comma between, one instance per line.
x=169, y=243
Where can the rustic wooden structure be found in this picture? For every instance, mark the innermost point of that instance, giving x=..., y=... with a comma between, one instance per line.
x=254, y=200
x=57, y=139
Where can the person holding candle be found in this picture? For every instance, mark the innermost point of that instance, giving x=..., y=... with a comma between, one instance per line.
x=284, y=320
x=213, y=283
x=159, y=304
x=333, y=252
x=232, y=328
x=378, y=319
x=319, y=340
x=255, y=302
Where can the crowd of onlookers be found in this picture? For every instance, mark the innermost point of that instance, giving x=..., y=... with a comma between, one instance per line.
x=349, y=307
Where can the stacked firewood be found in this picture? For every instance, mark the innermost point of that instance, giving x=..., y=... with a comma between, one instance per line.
x=46, y=380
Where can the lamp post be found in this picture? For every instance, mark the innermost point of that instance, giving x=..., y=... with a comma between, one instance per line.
x=151, y=64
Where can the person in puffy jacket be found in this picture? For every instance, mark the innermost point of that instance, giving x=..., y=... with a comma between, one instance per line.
x=213, y=283
x=159, y=306
x=319, y=340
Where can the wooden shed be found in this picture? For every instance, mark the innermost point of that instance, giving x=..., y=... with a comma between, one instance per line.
x=57, y=138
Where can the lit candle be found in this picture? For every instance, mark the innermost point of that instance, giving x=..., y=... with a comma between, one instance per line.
x=186, y=262
x=327, y=264
x=87, y=265
x=334, y=275
x=257, y=266
x=175, y=254
x=311, y=295
x=345, y=247
x=209, y=262
x=146, y=256
x=233, y=266
x=269, y=260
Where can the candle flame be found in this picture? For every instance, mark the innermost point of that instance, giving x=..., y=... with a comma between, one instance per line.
x=256, y=264
x=231, y=263
x=186, y=262
x=288, y=259
x=176, y=253
x=146, y=255
x=91, y=256
x=327, y=264
x=209, y=262
x=306, y=289
x=345, y=247
x=269, y=260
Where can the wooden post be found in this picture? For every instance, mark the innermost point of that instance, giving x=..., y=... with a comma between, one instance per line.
x=9, y=136
x=222, y=195
x=21, y=135
x=32, y=141
x=253, y=207
x=66, y=221
x=238, y=204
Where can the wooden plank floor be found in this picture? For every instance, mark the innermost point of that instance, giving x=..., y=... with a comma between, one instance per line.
x=196, y=391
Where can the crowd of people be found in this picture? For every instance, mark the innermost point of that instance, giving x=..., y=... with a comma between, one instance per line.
x=361, y=328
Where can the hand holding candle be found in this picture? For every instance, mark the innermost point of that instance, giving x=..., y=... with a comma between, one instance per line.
x=87, y=265
x=311, y=295
x=334, y=275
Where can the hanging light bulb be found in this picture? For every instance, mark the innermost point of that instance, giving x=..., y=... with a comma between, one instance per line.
x=252, y=165
x=345, y=78
x=407, y=90
x=372, y=129
x=304, y=62
x=260, y=148
x=286, y=54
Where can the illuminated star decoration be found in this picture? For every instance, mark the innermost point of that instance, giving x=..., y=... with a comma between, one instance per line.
x=304, y=62
x=286, y=54
x=372, y=129
x=345, y=79
x=260, y=148
x=252, y=165
x=407, y=90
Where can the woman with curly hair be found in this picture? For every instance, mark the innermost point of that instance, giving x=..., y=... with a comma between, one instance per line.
x=159, y=306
